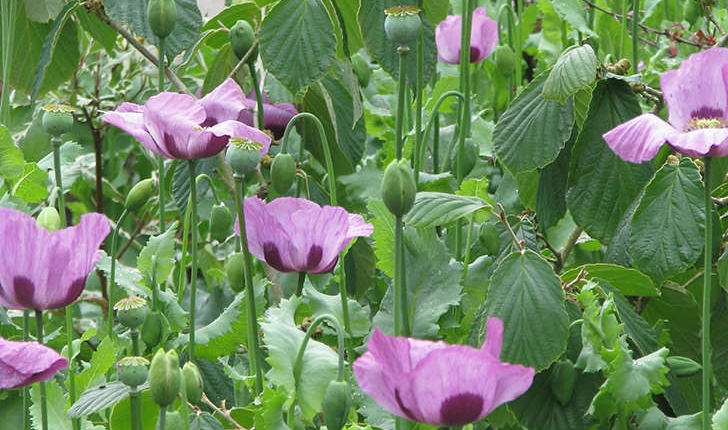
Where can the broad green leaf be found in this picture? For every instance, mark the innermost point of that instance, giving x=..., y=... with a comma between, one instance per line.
x=49, y=45
x=576, y=69
x=668, y=225
x=72, y=158
x=383, y=235
x=551, y=27
x=102, y=360
x=218, y=385
x=321, y=303
x=654, y=418
x=533, y=130
x=227, y=18
x=574, y=12
x=204, y=421
x=220, y=67
x=133, y=13
x=433, y=209
x=720, y=418
x=433, y=284
x=642, y=335
x=181, y=180
x=601, y=185
x=11, y=157
x=348, y=10
x=283, y=339
x=296, y=43
x=630, y=282
x=43, y=10
x=551, y=192
x=156, y=260
x=121, y=414
x=384, y=51
x=55, y=403
x=30, y=186
x=98, y=30
x=526, y=294
x=271, y=416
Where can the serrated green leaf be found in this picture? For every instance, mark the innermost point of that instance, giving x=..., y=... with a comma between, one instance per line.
x=630, y=282
x=576, y=69
x=97, y=398
x=30, y=186
x=11, y=157
x=296, y=42
x=102, y=360
x=533, y=130
x=673, y=200
x=271, y=416
x=50, y=43
x=383, y=235
x=100, y=32
x=126, y=277
x=321, y=303
x=600, y=330
x=574, y=12
x=551, y=192
x=218, y=385
x=156, y=260
x=55, y=406
x=526, y=294
x=433, y=209
x=181, y=180
x=601, y=185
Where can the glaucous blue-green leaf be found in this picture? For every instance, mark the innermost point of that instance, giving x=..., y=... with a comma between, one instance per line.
x=271, y=416
x=668, y=225
x=654, y=418
x=97, y=398
x=371, y=22
x=283, y=338
x=11, y=157
x=720, y=418
x=156, y=260
x=628, y=281
x=383, y=235
x=532, y=131
x=321, y=304
x=601, y=185
x=133, y=13
x=574, y=12
x=433, y=284
x=297, y=43
x=526, y=294
x=43, y=10
x=432, y=209
x=55, y=405
x=575, y=70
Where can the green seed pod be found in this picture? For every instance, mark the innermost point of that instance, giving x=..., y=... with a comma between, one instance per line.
x=243, y=155
x=563, y=380
x=49, y=218
x=164, y=377
x=242, y=38
x=221, y=222
x=472, y=151
x=398, y=187
x=154, y=328
x=361, y=69
x=282, y=173
x=692, y=11
x=132, y=371
x=336, y=404
x=193, y=382
x=131, y=311
x=235, y=271
x=505, y=60
x=142, y=192
x=57, y=119
x=403, y=24
x=162, y=15
x=683, y=366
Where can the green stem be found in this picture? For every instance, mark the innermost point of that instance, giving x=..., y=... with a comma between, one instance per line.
x=162, y=419
x=183, y=256
x=635, y=39
x=8, y=10
x=343, y=294
x=112, y=275
x=298, y=364
x=136, y=409
x=26, y=392
x=434, y=122
x=160, y=160
x=134, y=334
x=160, y=78
x=403, y=51
x=193, y=252
x=258, y=95
x=707, y=284
x=401, y=310
x=436, y=144
x=253, y=345
x=301, y=281
x=468, y=244
x=211, y=185
x=43, y=401
x=418, y=163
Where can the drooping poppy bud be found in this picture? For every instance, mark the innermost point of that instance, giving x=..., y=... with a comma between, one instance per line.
x=336, y=404
x=49, y=218
x=398, y=187
x=221, y=222
x=140, y=194
x=282, y=172
x=242, y=38
x=403, y=24
x=505, y=60
x=57, y=119
x=164, y=377
x=193, y=382
x=235, y=271
x=162, y=15
x=132, y=371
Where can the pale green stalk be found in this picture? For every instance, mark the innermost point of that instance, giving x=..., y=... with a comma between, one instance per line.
x=112, y=275
x=160, y=160
x=707, y=285
x=193, y=251
x=43, y=401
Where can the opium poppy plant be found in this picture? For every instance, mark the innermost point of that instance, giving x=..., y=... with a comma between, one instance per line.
x=23, y=363
x=440, y=384
x=298, y=235
x=483, y=38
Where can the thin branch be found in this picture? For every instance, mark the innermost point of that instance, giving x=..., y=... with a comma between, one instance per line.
x=222, y=411
x=243, y=60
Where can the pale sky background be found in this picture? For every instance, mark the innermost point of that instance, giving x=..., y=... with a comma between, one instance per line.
x=210, y=7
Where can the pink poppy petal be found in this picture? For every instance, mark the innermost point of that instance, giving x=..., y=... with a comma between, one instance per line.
x=513, y=381
x=483, y=37
x=712, y=142
x=223, y=103
x=132, y=121
x=447, y=39
x=23, y=363
x=170, y=119
x=493, y=337
x=639, y=139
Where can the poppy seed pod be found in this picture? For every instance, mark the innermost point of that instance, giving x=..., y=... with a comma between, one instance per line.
x=242, y=38
x=403, y=24
x=162, y=16
x=282, y=172
x=57, y=119
x=132, y=371
x=164, y=377
x=131, y=311
x=243, y=155
x=398, y=187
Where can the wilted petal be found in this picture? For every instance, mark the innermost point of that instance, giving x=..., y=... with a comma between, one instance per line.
x=712, y=142
x=640, y=138
x=23, y=363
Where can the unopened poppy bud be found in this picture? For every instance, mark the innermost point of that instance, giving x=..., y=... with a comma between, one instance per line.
x=403, y=24
x=336, y=404
x=282, y=172
x=471, y=151
x=57, y=119
x=164, y=377
x=398, y=187
x=153, y=328
x=235, y=272
x=132, y=371
x=505, y=60
x=563, y=381
x=140, y=194
x=683, y=366
x=221, y=222
x=243, y=155
x=361, y=69
x=193, y=382
x=131, y=311
x=49, y=218
x=162, y=15
x=242, y=38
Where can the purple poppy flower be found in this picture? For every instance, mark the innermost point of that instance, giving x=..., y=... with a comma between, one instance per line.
x=178, y=126
x=47, y=270
x=23, y=363
x=440, y=384
x=298, y=235
x=275, y=115
x=697, y=100
x=483, y=37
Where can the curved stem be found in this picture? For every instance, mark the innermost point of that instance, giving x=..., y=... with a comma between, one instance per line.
x=707, y=284
x=253, y=345
x=43, y=401
x=434, y=122
x=258, y=95
x=208, y=179
x=298, y=364
x=112, y=275
x=193, y=252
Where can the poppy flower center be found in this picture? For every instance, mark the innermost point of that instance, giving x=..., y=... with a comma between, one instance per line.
x=706, y=118
x=461, y=409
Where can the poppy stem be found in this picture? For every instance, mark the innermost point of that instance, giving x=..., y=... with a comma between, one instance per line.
x=298, y=364
x=193, y=254
x=43, y=401
x=401, y=310
x=253, y=345
x=160, y=159
x=403, y=51
x=112, y=274
x=635, y=39
x=162, y=419
x=435, y=122
x=26, y=392
x=417, y=161
x=707, y=284
x=301, y=281
x=258, y=96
